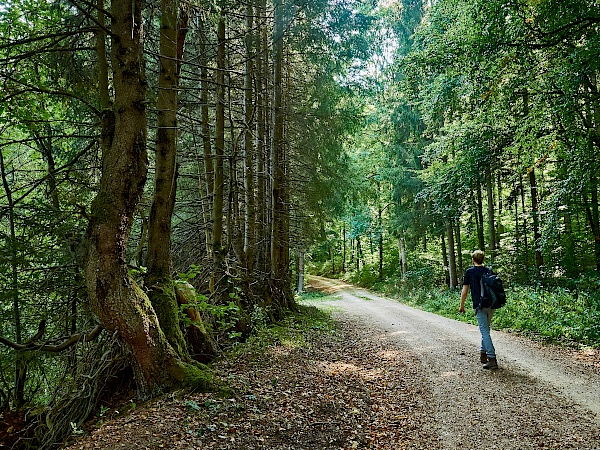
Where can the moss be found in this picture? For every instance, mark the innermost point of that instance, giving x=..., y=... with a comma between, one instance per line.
x=164, y=302
x=194, y=376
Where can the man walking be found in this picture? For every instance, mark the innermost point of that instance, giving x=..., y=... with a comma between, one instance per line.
x=472, y=280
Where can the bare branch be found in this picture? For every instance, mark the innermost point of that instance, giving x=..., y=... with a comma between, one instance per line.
x=56, y=348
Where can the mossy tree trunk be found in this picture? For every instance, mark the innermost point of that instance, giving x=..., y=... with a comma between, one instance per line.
x=114, y=297
x=160, y=266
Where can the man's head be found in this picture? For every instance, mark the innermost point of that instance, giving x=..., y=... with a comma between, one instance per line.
x=478, y=256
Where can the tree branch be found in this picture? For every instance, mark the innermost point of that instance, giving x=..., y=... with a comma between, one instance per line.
x=55, y=348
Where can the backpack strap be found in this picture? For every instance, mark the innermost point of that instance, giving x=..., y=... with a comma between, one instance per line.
x=481, y=290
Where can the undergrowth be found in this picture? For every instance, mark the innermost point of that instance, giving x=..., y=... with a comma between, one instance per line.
x=558, y=310
x=292, y=331
x=554, y=314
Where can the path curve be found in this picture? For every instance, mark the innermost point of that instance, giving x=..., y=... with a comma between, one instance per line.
x=538, y=389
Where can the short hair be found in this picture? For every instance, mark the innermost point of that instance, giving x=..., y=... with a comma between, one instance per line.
x=478, y=256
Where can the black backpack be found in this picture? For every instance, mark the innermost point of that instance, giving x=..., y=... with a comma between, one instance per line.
x=492, y=291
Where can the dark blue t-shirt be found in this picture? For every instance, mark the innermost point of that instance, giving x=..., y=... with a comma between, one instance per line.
x=473, y=279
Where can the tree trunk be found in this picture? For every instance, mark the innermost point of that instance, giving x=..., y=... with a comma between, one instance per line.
x=206, y=143
x=262, y=229
x=358, y=253
x=491, y=211
x=380, y=244
x=402, y=255
x=300, y=271
x=499, y=226
x=569, y=260
x=480, y=227
x=444, y=258
x=114, y=297
x=593, y=214
x=249, y=151
x=344, y=248
x=539, y=260
x=160, y=266
x=280, y=235
x=453, y=278
x=525, y=240
x=457, y=235
x=217, y=212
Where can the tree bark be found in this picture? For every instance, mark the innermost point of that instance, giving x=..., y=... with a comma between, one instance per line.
x=249, y=151
x=206, y=143
x=114, y=297
x=453, y=278
x=593, y=213
x=402, y=255
x=445, y=258
x=539, y=260
x=217, y=212
x=280, y=236
x=300, y=271
x=491, y=211
x=344, y=248
x=160, y=266
x=458, y=239
x=480, y=227
x=262, y=147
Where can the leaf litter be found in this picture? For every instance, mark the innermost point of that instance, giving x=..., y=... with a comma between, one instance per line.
x=345, y=389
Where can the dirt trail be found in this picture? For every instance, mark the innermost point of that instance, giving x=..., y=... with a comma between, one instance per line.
x=538, y=392
x=387, y=377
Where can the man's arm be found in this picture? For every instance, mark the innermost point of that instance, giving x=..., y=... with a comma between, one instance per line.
x=463, y=297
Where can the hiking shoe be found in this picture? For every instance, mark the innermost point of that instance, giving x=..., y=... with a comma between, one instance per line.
x=483, y=357
x=492, y=364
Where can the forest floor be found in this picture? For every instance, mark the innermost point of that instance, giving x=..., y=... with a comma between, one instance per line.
x=385, y=377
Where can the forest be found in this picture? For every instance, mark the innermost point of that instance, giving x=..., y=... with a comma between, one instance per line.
x=171, y=169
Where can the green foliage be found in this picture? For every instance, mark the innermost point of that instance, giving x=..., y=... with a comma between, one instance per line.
x=558, y=315
x=225, y=317
x=293, y=330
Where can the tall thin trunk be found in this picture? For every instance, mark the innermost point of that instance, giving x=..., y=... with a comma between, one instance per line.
x=280, y=235
x=159, y=262
x=402, y=254
x=344, y=248
x=452, y=276
x=593, y=214
x=491, y=210
x=300, y=271
x=522, y=191
x=444, y=258
x=249, y=151
x=358, y=253
x=569, y=252
x=217, y=212
x=206, y=142
x=499, y=226
x=479, y=212
x=458, y=239
x=380, y=243
x=263, y=230
x=539, y=261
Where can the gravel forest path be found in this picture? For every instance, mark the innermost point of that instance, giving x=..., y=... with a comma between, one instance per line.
x=541, y=397
x=387, y=377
